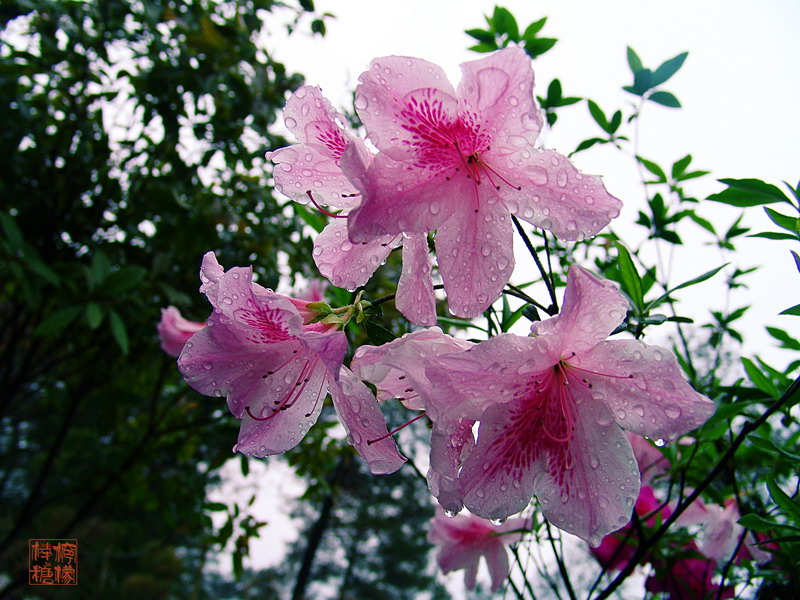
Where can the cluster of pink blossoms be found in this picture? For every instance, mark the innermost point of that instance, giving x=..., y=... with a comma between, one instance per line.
x=688, y=573
x=549, y=409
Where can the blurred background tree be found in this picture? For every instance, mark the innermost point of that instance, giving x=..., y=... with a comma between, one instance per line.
x=133, y=143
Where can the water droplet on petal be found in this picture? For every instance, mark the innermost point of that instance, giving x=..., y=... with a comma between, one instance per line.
x=449, y=513
x=498, y=522
x=561, y=178
x=290, y=123
x=673, y=412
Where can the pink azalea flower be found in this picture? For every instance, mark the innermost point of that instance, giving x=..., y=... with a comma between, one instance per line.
x=314, y=291
x=275, y=370
x=552, y=408
x=720, y=531
x=174, y=331
x=312, y=171
x=464, y=539
x=397, y=370
x=688, y=577
x=461, y=162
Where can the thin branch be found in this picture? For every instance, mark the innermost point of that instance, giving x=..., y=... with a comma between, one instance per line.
x=550, y=288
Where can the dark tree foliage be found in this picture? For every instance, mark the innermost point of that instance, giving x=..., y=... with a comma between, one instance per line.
x=103, y=220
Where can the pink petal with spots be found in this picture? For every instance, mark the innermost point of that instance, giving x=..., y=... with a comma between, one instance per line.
x=210, y=274
x=476, y=257
x=276, y=430
x=240, y=375
x=592, y=490
x=396, y=199
x=557, y=197
x=465, y=383
x=498, y=477
x=313, y=164
x=415, y=297
x=349, y=265
x=362, y=419
x=657, y=401
x=499, y=87
x=397, y=369
x=592, y=308
x=396, y=95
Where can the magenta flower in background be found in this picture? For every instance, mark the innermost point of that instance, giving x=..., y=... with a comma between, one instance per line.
x=464, y=539
x=552, y=409
x=174, y=331
x=311, y=171
x=461, y=162
x=275, y=370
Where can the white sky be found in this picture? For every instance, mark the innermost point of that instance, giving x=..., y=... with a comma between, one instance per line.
x=739, y=88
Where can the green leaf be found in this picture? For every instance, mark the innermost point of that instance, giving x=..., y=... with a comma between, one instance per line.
x=58, y=320
x=754, y=522
x=505, y=23
x=794, y=311
x=768, y=444
x=642, y=81
x=634, y=62
x=215, y=506
x=685, y=284
x=782, y=499
x=534, y=28
x=100, y=267
x=94, y=315
x=124, y=280
x=761, y=381
x=483, y=47
x=653, y=168
x=783, y=221
x=664, y=99
x=377, y=333
x=312, y=219
x=631, y=282
x=37, y=266
x=538, y=46
x=554, y=91
x=784, y=338
x=481, y=35
x=12, y=231
x=744, y=193
x=585, y=144
x=119, y=330
x=701, y=221
x=679, y=166
x=773, y=235
x=598, y=115
x=668, y=68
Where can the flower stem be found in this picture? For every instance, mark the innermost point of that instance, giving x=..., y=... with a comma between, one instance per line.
x=553, y=309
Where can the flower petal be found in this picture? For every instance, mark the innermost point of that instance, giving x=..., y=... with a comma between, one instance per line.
x=345, y=264
x=313, y=165
x=591, y=310
x=557, y=197
x=657, y=401
x=465, y=383
x=415, y=297
x=278, y=430
x=476, y=256
x=397, y=199
x=362, y=419
x=498, y=476
x=594, y=492
x=384, y=103
x=499, y=87
x=448, y=452
x=497, y=561
x=239, y=377
x=397, y=369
